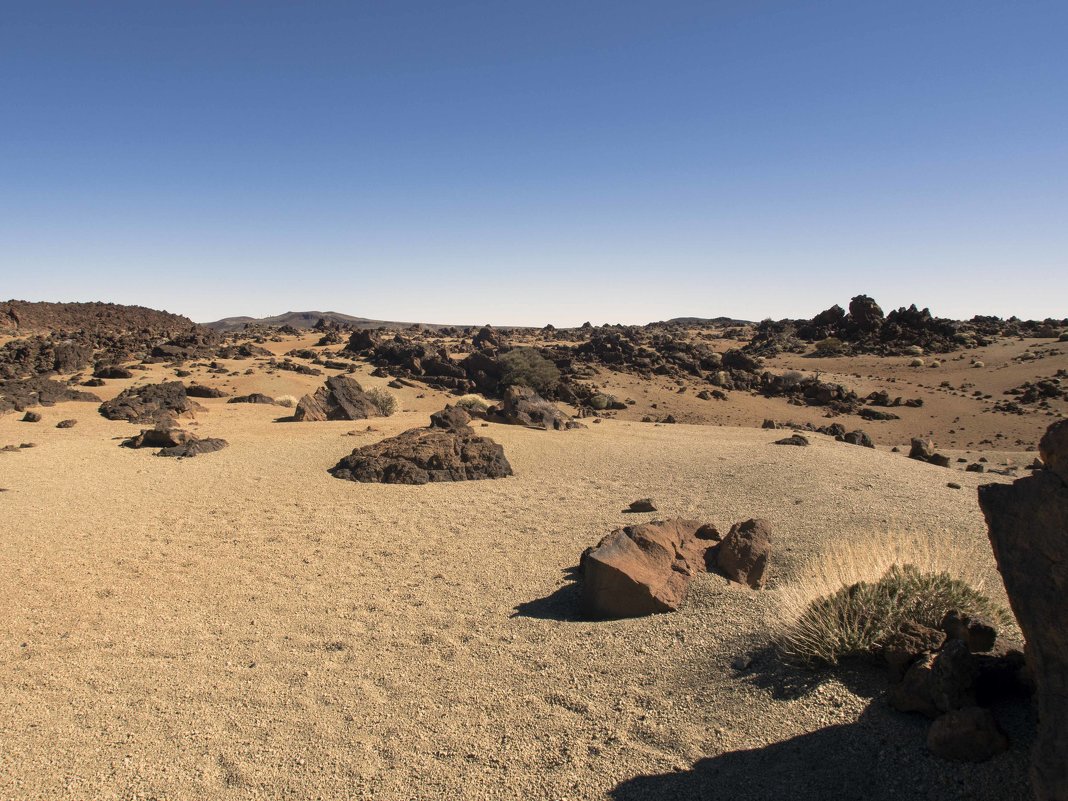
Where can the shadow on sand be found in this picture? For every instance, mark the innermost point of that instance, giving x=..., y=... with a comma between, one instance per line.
x=564, y=604
x=882, y=756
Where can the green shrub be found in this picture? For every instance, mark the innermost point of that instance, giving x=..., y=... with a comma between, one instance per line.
x=858, y=620
x=528, y=368
x=383, y=401
x=831, y=346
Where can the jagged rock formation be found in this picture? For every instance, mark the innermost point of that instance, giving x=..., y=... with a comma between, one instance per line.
x=341, y=398
x=1028, y=522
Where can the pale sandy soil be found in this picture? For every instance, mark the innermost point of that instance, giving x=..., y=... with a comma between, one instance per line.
x=242, y=625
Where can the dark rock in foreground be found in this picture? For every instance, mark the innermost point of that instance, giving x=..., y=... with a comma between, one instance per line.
x=1028, y=522
x=423, y=455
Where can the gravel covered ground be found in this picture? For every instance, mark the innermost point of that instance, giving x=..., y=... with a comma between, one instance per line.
x=242, y=625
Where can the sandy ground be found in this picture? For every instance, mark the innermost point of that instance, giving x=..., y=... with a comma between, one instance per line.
x=242, y=625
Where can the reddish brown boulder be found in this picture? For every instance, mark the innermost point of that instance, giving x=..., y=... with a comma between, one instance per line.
x=744, y=553
x=341, y=398
x=1028, y=522
x=937, y=682
x=966, y=735
x=643, y=570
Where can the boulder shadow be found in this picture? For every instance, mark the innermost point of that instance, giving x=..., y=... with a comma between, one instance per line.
x=882, y=756
x=564, y=603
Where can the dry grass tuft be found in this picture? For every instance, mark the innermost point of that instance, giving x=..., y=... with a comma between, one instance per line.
x=288, y=401
x=851, y=600
x=383, y=401
x=472, y=403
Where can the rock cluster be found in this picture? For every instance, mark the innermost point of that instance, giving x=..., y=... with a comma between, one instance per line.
x=174, y=442
x=647, y=569
x=523, y=406
x=20, y=394
x=150, y=403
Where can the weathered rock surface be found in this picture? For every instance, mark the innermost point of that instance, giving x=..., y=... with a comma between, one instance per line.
x=744, y=553
x=201, y=391
x=937, y=682
x=424, y=455
x=523, y=406
x=644, y=570
x=450, y=418
x=150, y=403
x=1028, y=523
x=20, y=394
x=254, y=397
x=341, y=398
x=174, y=442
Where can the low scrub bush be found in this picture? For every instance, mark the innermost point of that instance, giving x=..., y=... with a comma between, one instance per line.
x=528, y=368
x=859, y=619
x=383, y=401
x=472, y=403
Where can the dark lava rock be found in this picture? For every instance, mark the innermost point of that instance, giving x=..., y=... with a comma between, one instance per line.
x=19, y=394
x=794, y=439
x=31, y=417
x=66, y=424
x=341, y=398
x=174, y=442
x=423, y=455
x=641, y=505
x=150, y=403
x=255, y=397
x=523, y=406
x=201, y=391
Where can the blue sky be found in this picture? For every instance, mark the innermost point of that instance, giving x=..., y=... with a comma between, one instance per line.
x=524, y=163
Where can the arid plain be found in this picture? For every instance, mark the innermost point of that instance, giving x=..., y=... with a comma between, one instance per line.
x=244, y=625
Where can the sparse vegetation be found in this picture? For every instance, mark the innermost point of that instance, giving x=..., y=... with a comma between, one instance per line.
x=831, y=346
x=859, y=619
x=288, y=401
x=383, y=401
x=472, y=403
x=528, y=368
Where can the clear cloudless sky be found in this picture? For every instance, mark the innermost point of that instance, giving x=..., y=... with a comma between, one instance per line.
x=533, y=162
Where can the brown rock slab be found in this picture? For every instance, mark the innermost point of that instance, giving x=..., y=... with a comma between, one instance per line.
x=744, y=553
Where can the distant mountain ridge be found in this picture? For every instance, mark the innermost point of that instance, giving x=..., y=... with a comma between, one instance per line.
x=306, y=319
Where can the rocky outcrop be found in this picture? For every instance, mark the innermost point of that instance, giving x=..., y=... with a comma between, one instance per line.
x=341, y=398
x=424, y=455
x=151, y=403
x=22, y=393
x=1028, y=527
x=644, y=570
x=525, y=407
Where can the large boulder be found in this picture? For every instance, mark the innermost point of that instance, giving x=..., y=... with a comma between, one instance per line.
x=922, y=450
x=744, y=553
x=150, y=403
x=341, y=398
x=424, y=455
x=644, y=570
x=865, y=313
x=1028, y=527
x=525, y=407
